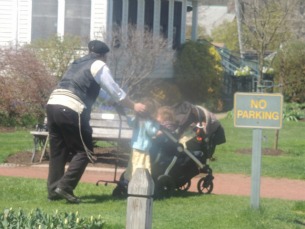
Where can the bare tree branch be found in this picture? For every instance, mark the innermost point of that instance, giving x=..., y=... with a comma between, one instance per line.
x=135, y=56
x=266, y=24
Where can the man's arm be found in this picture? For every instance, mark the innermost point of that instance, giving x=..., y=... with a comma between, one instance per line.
x=137, y=107
x=104, y=79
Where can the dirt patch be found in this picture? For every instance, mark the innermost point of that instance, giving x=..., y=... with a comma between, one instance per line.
x=265, y=151
x=7, y=129
x=20, y=158
x=106, y=157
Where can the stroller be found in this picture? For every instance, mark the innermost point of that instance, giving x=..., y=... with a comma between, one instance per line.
x=174, y=164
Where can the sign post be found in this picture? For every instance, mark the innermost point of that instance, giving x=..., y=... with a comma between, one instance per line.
x=257, y=111
x=256, y=167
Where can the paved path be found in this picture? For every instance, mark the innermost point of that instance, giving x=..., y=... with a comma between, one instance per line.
x=224, y=184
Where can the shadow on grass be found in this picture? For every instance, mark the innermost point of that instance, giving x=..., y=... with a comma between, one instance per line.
x=96, y=199
x=178, y=194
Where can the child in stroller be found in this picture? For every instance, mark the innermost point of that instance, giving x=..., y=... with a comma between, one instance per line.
x=177, y=155
x=186, y=155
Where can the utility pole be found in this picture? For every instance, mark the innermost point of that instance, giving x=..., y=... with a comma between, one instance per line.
x=238, y=12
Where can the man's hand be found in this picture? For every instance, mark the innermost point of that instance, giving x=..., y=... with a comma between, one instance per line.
x=139, y=108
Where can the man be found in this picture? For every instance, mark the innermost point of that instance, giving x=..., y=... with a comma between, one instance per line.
x=68, y=113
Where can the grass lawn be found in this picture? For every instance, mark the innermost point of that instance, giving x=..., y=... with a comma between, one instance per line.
x=179, y=212
x=289, y=164
x=14, y=141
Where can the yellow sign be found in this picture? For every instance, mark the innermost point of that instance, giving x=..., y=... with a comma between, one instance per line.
x=258, y=110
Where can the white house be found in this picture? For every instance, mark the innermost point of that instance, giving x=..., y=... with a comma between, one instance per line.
x=22, y=21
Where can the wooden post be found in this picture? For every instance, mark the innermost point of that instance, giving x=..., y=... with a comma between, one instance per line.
x=140, y=200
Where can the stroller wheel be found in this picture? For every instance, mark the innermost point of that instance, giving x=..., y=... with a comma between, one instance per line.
x=165, y=186
x=119, y=192
x=205, y=185
x=185, y=186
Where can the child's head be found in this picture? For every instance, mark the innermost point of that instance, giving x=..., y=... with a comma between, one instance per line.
x=165, y=114
x=166, y=118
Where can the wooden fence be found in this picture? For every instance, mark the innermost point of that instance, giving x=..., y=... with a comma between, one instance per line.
x=140, y=200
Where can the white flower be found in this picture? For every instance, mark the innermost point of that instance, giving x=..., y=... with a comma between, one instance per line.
x=268, y=70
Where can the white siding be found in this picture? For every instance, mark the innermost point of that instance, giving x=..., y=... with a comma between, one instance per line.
x=164, y=70
x=98, y=19
x=8, y=22
x=24, y=21
x=15, y=22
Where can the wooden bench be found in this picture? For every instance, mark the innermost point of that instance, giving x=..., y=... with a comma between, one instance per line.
x=105, y=126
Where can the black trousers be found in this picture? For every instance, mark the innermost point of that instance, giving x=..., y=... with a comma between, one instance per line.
x=66, y=145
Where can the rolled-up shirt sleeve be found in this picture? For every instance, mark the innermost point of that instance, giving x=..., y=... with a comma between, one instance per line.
x=103, y=77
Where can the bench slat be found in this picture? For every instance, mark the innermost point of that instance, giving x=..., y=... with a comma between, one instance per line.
x=108, y=124
x=39, y=133
x=105, y=127
x=107, y=116
x=111, y=133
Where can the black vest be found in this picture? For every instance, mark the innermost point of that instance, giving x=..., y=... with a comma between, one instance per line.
x=79, y=80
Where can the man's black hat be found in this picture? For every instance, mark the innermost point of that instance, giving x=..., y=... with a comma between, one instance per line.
x=98, y=47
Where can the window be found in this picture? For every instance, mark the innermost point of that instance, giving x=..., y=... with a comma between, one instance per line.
x=149, y=14
x=44, y=19
x=132, y=12
x=77, y=19
x=117, y=12
x=177, y=24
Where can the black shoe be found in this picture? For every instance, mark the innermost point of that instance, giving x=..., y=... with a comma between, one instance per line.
x=53, y=196
x=68, y=196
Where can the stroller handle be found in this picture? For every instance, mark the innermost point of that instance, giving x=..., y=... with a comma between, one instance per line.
x=180, y=148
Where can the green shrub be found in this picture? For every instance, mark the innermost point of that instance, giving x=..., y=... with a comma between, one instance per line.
x=199, y=74
x=38, y=219
x=289, y=64
x=26, y=84
x=26, y=120
x=293, y=111
x=56, y=53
